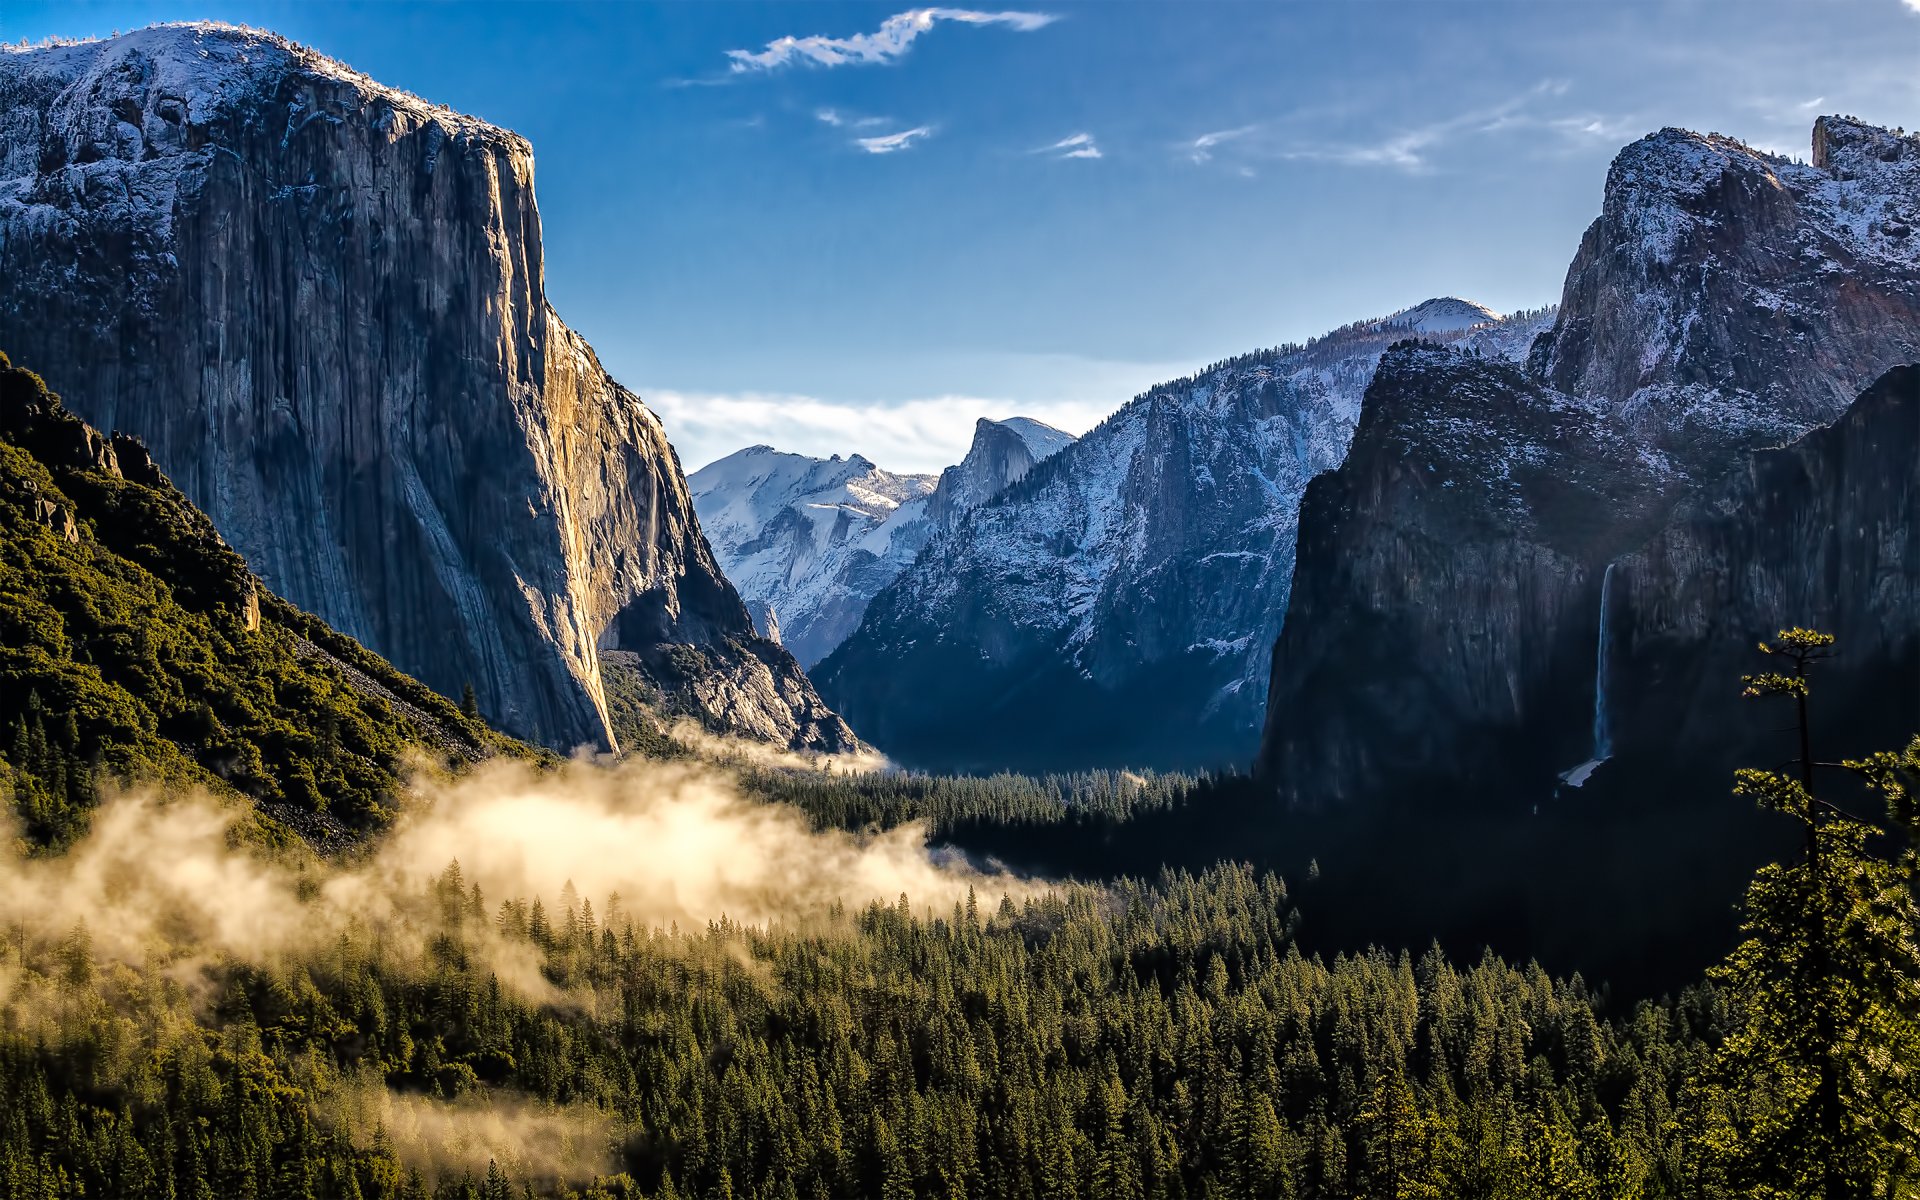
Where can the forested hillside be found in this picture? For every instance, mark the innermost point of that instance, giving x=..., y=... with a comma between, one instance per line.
x=135, y=643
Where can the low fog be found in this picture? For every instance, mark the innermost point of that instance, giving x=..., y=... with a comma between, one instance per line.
x=167, y=892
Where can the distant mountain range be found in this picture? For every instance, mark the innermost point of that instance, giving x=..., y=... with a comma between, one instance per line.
x=809, y=541
x=1117, y=605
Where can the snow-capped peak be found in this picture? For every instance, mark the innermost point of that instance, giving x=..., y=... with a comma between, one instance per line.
x=1043, y=440
x=1442, y=314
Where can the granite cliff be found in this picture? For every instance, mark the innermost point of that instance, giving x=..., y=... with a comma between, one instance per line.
x=1724, y=302
x=321, y=302
x=1818, y=533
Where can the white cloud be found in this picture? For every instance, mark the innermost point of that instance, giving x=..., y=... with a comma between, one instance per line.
x=884, y=45
x=1202, y=148
x=840, y=120
x=1914, y=5
x=1080, y=145
x=889, y=142
x=917, y=435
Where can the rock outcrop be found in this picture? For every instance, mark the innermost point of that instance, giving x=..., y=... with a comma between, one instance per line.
x=1727, y=298
x=1725, y=301
x=1002, y=454
x=1116, y=605
x=321, y=302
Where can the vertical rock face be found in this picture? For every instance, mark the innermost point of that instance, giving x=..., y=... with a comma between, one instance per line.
x=809, y=541
x=1117, y=604
x=1002, y=454
x=1725, y=300
x=1819, y=533
x=321, y=303
x=1446, y=586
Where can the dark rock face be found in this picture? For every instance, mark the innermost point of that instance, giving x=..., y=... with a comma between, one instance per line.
x=321, y=303
x=1725, y=301
x=1445, y=587
x=1819, y=533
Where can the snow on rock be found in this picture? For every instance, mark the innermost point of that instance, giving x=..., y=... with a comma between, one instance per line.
x=1043, y=440
x=1444, y=314
x=1150, y=560
x=1728, y=298
x=809, y=541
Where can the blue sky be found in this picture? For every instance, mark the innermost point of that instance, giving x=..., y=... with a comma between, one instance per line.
x=863, y=241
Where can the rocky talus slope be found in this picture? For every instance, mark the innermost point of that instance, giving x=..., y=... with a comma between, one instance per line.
x=321, y=302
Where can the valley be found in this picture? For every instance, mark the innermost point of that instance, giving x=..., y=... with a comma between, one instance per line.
x=1461, y=753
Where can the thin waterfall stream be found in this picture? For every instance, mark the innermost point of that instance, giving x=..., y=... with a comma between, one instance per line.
x=1602, y=717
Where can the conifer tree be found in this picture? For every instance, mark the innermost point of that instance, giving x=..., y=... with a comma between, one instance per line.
x=1814, y=1089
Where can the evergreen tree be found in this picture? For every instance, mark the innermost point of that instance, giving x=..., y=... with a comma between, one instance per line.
x=1814, y=1094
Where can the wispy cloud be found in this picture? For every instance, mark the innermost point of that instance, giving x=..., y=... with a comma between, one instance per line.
x=1079, y=145
x=1914, y=5
x=1411, y=150
x=1201, y=149
x=886, y=44
x=887, y=143
x=840, y=120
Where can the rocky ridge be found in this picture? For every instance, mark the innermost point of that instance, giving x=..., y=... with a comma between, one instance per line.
x=809, y=541
x=1128, y=588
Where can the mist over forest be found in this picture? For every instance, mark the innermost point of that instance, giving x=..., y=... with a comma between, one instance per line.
x=1455, y=754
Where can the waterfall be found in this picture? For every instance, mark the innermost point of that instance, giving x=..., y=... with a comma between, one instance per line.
x=1602, y=719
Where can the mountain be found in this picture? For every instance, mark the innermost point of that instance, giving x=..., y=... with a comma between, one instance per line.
x=1728, y=298
x=1725, y=301
x=1447, y=576
x=1002, y=453
x=321, y=302
x=135, y=644
x=1116, y=604
x=1444, y=314
x=809, y=541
